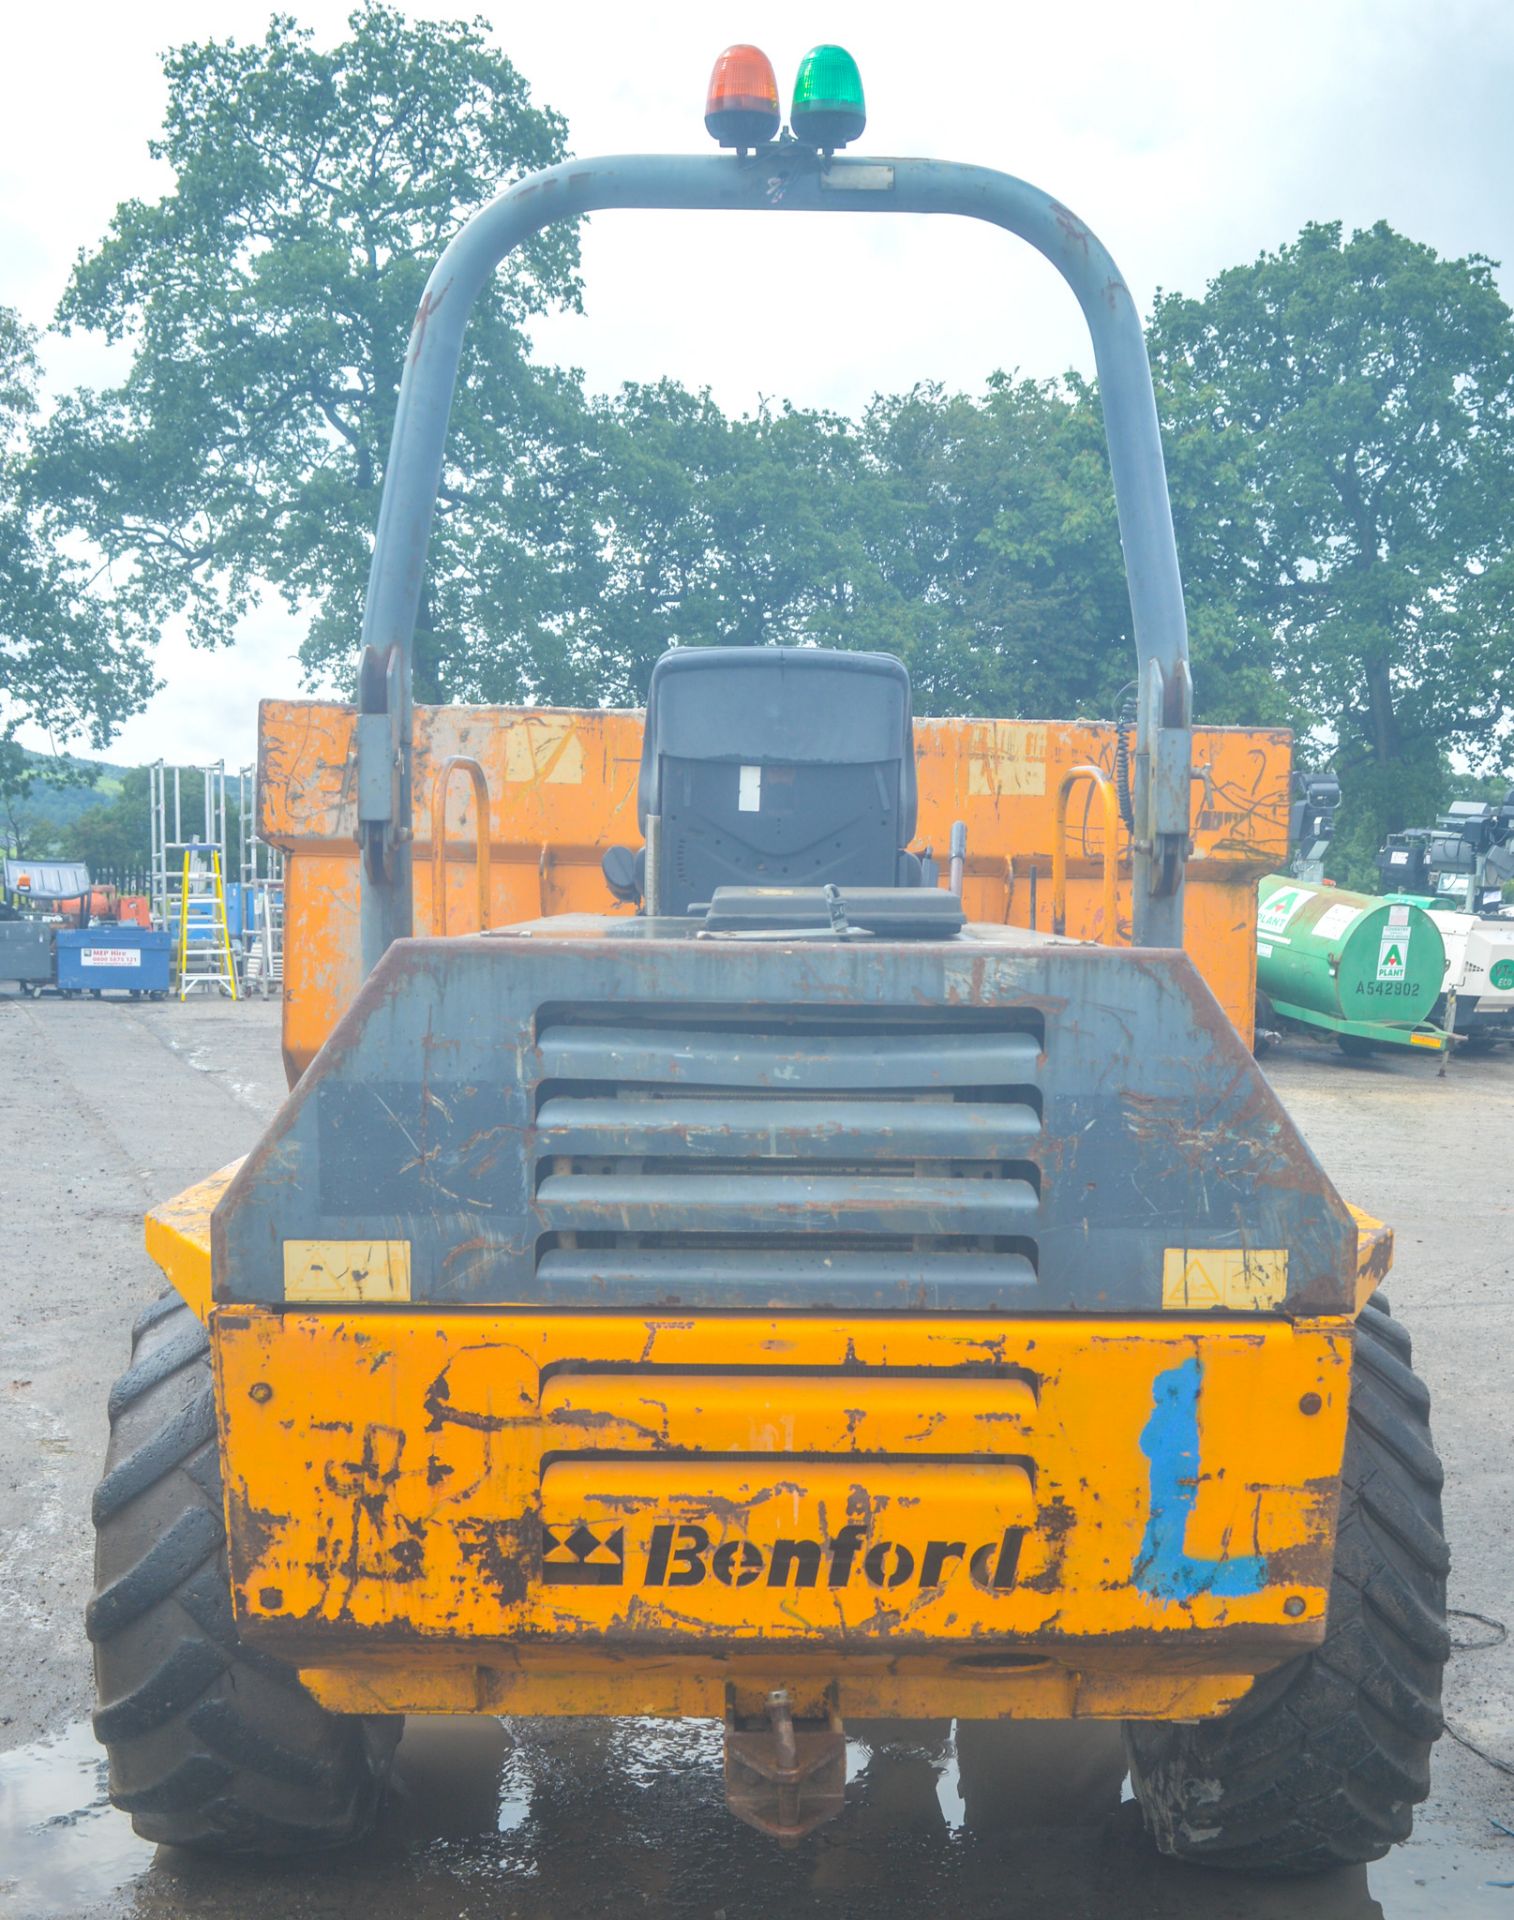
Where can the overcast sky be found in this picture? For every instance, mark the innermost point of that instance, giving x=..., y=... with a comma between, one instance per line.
x=1190, y=134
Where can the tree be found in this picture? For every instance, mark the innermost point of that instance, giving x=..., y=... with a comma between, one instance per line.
x=114, y=836
x=65, y=664
x=23, y=830
x=998, y=548
x=1361, y=394
x=267, y=299
x=994, y=559
x=977, y=540
x=117, y=835
x=702, y=529
x=975, y=537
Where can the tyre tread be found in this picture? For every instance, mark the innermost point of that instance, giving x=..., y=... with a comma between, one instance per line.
x=212, y=1745
x=1322, y=1763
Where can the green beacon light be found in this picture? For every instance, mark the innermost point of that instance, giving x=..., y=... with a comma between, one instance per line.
x=828, y=109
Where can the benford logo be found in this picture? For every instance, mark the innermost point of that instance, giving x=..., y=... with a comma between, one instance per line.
x=682, y=1553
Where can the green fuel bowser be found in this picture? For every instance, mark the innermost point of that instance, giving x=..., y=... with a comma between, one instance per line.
x=1367, y=970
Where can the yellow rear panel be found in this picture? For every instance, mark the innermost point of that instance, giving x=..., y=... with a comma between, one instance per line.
x=401, y=1479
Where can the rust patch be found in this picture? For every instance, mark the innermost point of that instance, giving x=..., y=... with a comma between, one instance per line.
x=423, y=314
x=1071, y=226
x=254, y=1529
x=1054, y=1522
x=503, y=1551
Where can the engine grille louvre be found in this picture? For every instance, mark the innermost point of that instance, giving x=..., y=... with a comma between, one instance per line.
x=775, y=1202
x=639, y=1124
x=817, y=1159
x=909, y=1059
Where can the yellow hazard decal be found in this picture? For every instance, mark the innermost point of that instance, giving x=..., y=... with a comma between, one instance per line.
x=1196, y=1279
x=347, y=1271
x=544, y=747
x=1015, y=760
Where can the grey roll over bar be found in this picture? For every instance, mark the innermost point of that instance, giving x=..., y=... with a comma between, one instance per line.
x=788, y=178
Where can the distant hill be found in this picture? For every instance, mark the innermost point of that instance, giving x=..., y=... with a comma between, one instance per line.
x=49, y=809
x=103, y=818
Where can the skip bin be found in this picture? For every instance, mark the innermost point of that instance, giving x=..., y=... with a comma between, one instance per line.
x=26, y=954
x=114, y=959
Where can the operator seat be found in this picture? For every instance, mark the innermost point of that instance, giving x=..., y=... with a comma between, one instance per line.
x=777, y=767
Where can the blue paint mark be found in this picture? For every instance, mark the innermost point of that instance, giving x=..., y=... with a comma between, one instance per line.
x=1170, y=1442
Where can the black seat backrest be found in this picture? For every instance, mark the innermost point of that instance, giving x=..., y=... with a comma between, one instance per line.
x=777, y=766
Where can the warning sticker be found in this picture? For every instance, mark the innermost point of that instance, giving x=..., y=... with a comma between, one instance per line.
x=349, y=1272
x=1334, y=921
x=1012, y=759
x=1233, y=1279
x=1392, y=954
x=1281, y=907
x=544, y=748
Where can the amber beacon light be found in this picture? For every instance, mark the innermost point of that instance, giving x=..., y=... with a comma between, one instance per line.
x=741, y=108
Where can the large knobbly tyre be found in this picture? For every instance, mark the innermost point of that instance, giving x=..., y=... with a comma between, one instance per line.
x=211, y=1745
x=1322, y=1762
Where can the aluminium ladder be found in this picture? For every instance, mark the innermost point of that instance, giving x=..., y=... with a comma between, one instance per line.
x=262, y=929
x=205, y=958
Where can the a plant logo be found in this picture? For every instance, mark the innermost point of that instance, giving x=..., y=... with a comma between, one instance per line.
x=1279, y=908
x=1391, y=955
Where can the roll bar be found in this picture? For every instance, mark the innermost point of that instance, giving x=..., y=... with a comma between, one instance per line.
x=784, y=177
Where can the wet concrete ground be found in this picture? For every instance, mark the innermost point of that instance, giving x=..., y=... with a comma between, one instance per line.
x=113, y=1106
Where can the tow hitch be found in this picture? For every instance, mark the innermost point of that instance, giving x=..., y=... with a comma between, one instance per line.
x=782, y=1776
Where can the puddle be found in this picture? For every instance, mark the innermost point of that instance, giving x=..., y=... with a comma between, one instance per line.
x=551, y=1820
x=63, y=1846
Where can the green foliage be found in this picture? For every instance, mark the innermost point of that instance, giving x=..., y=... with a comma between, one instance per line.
x=996, y=538
x=1480, y=786
x=46, y=794
x=24, y=825
x=699, y=529
x=976, y=538
x=1349, y=408
x=64, y=663
x=118, y=834
x=267, y=299
x=996, y=541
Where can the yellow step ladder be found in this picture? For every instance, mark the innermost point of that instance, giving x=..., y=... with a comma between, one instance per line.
x=205, y=958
